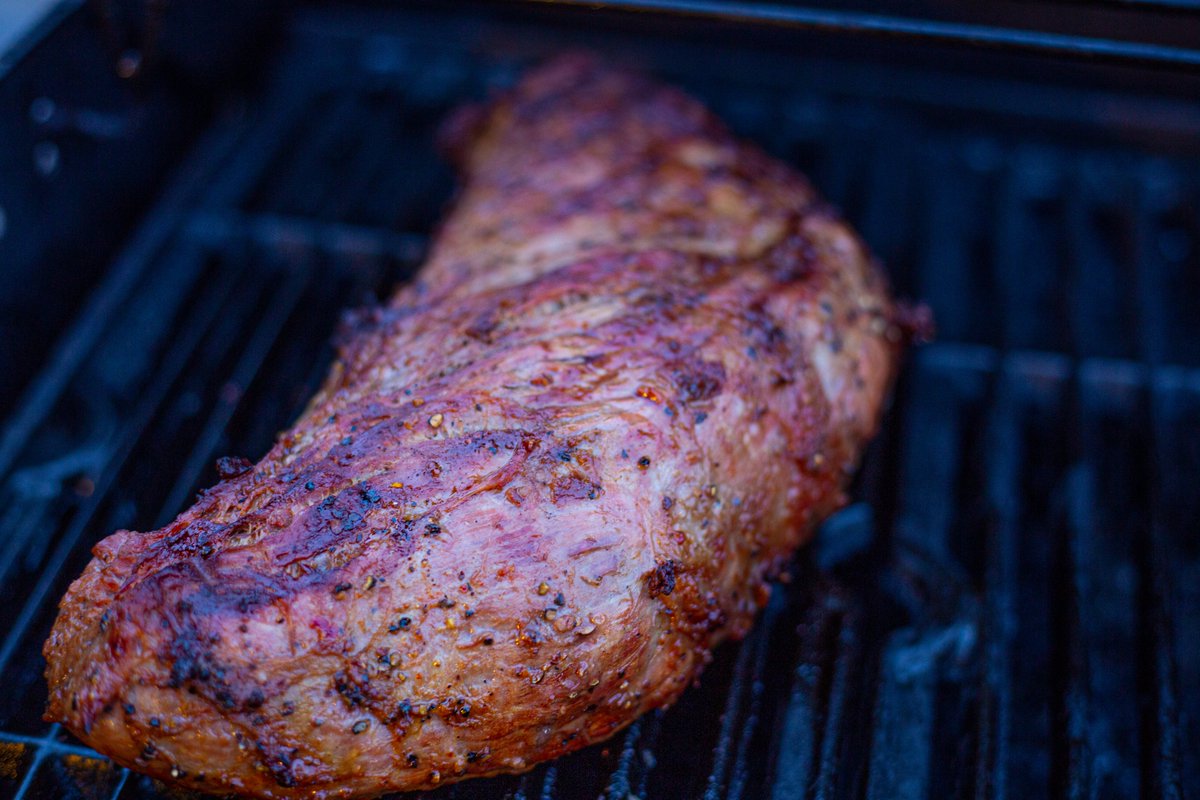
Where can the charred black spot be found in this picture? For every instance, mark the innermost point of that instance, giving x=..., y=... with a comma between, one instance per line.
x=281, y=771
x=403, y=530
x=229, y=467
x=255, y=699
x=349, y=690
x=278, y=762
x=699, y=380
x=412, y=760
x=661, y=580
x=191, y=660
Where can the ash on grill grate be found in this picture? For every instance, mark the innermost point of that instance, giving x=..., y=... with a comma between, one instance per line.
x=1043, y=455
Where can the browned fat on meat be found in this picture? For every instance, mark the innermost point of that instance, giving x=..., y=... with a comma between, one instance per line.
x=537, y=488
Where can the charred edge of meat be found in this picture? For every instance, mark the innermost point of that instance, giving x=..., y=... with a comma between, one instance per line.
x=661, y=579
x=230, y=467
x=699, y=380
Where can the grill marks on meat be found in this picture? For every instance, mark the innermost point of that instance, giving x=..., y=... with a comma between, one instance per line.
x=537, y=487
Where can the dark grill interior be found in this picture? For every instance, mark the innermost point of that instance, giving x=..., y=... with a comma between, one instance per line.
x=1007, y=610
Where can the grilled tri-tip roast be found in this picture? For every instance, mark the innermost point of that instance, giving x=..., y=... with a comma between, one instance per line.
x=538, y=486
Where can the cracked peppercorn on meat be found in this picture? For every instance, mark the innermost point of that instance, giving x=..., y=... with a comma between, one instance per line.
x=537, y=487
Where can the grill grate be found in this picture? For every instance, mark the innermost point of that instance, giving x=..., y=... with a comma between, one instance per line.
x=1042, y=457
x=935, y=31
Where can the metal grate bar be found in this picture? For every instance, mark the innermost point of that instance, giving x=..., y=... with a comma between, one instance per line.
x=34, y=494
x=948, y=267
x=205, y=311
x=49, y=742
x=293, y=187
x=1100, y=263
x=1175, y=420
x=849, y=655
x=1106, y=516
x=809, y=731
x=274, y=230
x=108, y=298
x=1167, y=253
x=381, y=130
x=284, y=296
x=931, y=468
x=120, y=785
x=40, y=754
x=622, y=782
x=1028, y=245
x=751, y=705
x=856, y=22
x=280, y=114
x=722, y=753
x=1004, y=457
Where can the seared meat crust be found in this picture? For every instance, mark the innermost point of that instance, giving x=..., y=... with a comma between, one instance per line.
x=538, y=486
